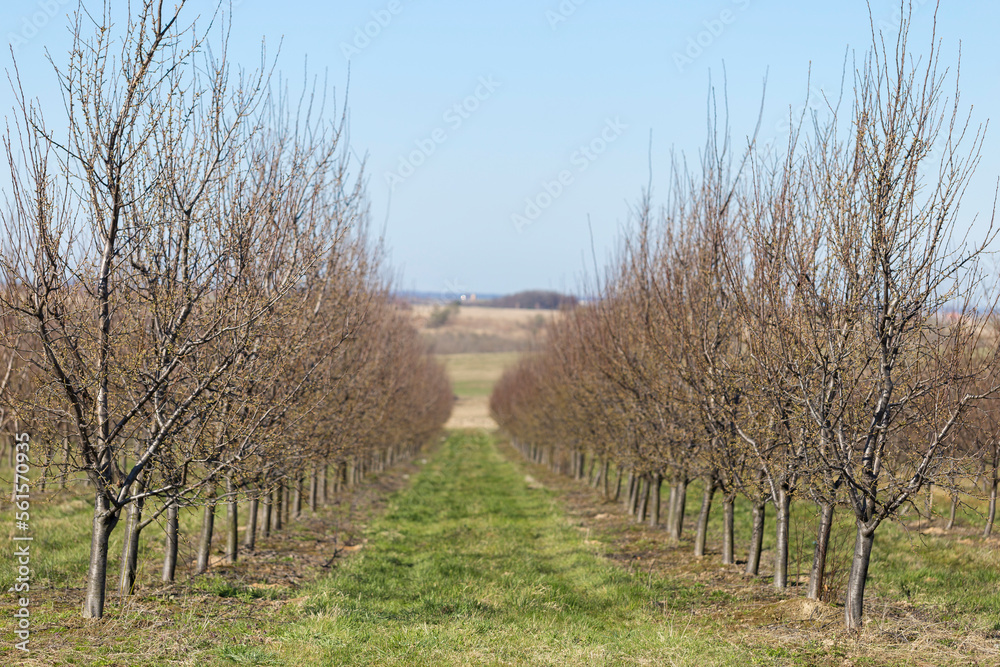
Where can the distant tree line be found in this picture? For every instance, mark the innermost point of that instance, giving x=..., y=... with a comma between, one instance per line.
x=538, y=299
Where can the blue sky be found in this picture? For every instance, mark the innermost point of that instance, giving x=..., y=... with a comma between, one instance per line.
x=469, y=113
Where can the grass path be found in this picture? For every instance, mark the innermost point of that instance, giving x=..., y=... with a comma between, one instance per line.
x=474, y=565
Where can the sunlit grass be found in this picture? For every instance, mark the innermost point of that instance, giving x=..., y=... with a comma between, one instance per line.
x=471, y=566
x=474, y=565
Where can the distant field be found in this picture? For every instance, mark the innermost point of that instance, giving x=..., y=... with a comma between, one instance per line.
x=470, y=330
x=473, y=375
x=472, y=378
x=476, y=345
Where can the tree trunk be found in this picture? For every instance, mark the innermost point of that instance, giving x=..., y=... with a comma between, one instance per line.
x=590, y=475
x=654, y=508
x=756, y=538
x=631, y=492
x=297, y=507
x=929, y=503
x=205, y=541
x=676, y=525
x=854, y=604
x=324, y=478
x=728, y=520
x=819, y=553
x=170, y=544
x=97, y=569
x=636, y=495
x=645, y=481
x=314, y=490
x=706, y=507
x=286, y=504
x=992, y=511
x=606, y=471
x=233, y=523
x=66, y=457
x=265, y=524
x=276, y=510
x=250, y=537
x=952, y=511
x=130, y=544
x=672, y=504
x=781, y=541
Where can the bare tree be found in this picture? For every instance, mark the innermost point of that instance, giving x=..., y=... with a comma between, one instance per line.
x=148, y=180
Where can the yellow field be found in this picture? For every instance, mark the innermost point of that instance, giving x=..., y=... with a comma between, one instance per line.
x=513, y=322
x=477, y=329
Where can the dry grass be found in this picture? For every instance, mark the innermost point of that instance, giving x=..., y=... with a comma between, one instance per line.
x=471, y=413
x=481, y=330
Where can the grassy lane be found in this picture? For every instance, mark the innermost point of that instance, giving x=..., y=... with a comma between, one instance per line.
x=472, y=565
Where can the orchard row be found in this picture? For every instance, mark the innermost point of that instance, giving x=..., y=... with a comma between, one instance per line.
x=811, y=325
x=193, y=308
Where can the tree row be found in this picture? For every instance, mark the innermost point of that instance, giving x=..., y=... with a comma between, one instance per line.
x=194, y=309
x=808, y=324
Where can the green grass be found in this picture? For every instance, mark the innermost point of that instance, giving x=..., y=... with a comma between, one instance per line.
x=61, y=524
x=176, y=624
x=472, y=388
x=957, y=574
x=472, y=566
x=958, y=578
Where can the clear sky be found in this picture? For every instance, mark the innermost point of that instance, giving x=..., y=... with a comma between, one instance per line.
x=467, y=113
